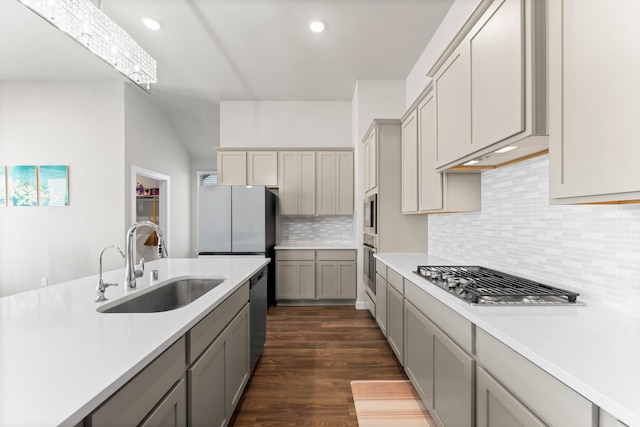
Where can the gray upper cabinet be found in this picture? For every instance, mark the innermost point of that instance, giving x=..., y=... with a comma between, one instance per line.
x=241, y=167
x=497, y=74
x=297, y=182
x=594, y=101
x=370, y=161
x=424, y=190
x=410, y=163
x=453, y=107
x=491, y=86
x=334, y=183
x=232, y=168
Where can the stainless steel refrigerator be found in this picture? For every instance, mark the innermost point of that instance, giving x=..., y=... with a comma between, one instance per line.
x=238, y=220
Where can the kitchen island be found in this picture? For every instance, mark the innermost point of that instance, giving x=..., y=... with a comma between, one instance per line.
x=60, y=359
x=590, y=349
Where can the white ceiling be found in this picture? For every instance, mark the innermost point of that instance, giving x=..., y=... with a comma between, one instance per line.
x=213, y=50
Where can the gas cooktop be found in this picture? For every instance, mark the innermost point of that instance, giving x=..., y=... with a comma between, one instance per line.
x=483, y=286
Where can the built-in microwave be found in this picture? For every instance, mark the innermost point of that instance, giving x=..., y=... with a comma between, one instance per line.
x=371, y=214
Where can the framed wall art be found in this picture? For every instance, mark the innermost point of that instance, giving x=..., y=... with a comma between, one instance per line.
x=3, y=186
x=53, y=185
x=22, y=185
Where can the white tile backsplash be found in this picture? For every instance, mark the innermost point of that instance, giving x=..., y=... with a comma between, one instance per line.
x=592, y=249
x=325, y=229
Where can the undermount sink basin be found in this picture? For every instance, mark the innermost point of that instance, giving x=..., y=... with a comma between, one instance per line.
x=166, y=297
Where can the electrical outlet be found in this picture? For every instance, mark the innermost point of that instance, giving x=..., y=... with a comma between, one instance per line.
x=44, y=282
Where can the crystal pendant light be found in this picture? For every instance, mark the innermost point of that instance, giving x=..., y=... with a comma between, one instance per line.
x=88, y=25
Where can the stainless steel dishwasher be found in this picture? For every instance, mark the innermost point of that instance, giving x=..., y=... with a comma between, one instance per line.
x=258, y=315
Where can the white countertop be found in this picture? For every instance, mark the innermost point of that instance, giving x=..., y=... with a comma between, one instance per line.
x=592, y=349
x=317, y=245
x=60, y=358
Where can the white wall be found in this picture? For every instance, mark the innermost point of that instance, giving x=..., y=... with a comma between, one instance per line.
x=285, y=124
x=372, y=99
x=76, y=124
x=152, y=143
x=456, y=17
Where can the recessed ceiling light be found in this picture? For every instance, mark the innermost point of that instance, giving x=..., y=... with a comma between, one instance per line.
x=505, y=149
x=471, y=162
x=317, y=25
x=151, y=23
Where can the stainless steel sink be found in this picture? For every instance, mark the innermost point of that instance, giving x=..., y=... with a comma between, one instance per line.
x=166, y=297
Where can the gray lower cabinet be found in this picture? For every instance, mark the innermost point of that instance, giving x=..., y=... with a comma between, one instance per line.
x=442, y=373
x=453, y=383
x=198, y=381
x=497, y=407
x=418, y=343
x=395, y=322
x=336, y=279
x=296, y=279
x=316, y=274
x=218, y=377
x=144, y=395
x=172, y=411
x=381, y=303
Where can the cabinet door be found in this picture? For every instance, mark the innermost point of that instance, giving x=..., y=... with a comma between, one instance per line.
x=288, y=185
x=171, y=411
x=410, y=163
x=496, y=407
x=594, y=104
x=207, y=386
x=344, y=183
x=307, y=183
x=347, y=279
x=395, y=322
x=232, y=168
x=381, y=303
x=326, y=183
x=237, y=360
x=371, y=161
x=429, y=181
x=497, y=74
x=262, y=168
x=453, y=376
x=327, y=279
x=418, y=346
x=306, y=273
x=286, y=279
x=453, y=104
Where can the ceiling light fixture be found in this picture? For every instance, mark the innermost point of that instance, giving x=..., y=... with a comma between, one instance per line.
x=317, y=25
x=151, y=23
x=89, y=26
x=471, y=162
x=505, y=149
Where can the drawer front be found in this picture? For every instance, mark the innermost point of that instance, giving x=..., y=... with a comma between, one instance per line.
x=454, y=325
x=336, y=255
x=551, y=400
x=371, y=306
x=381, y=269
x=295, y=255
x=210, y=327
x=129, y=405
x=395, y=280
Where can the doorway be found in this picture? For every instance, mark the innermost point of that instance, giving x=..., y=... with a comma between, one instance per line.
x=150, y=202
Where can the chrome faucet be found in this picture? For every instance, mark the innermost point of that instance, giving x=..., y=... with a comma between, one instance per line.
x=102, y=286
x=130, y=272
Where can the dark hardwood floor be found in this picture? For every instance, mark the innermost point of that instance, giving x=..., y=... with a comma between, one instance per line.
x=310, y=357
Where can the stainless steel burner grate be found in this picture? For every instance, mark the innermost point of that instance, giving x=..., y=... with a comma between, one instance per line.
x=480, y=285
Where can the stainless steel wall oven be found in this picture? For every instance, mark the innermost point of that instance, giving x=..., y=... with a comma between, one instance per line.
x=369, y=263
x=371, y=214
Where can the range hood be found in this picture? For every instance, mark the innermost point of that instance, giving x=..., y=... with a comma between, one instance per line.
x=498, y=155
